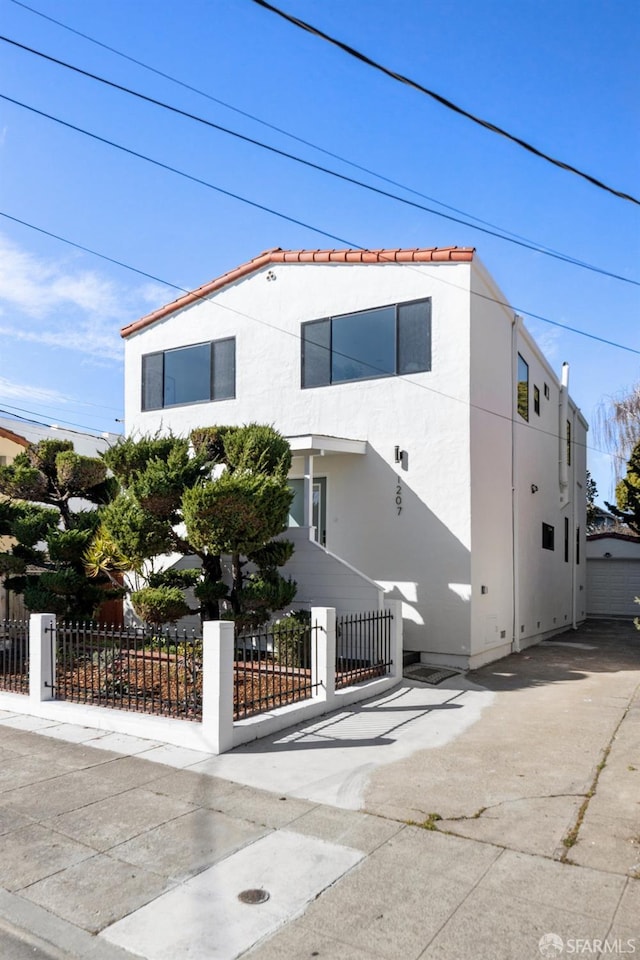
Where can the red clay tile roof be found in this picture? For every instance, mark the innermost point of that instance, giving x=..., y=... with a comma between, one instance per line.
x=14, y=437
x=429, y=255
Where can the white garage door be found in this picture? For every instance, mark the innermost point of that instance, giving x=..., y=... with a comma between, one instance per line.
x=611, y=586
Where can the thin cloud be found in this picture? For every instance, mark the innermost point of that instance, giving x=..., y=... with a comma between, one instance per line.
x=63, y=306
x=548, y=339
x=9, y=390
x=103, y=345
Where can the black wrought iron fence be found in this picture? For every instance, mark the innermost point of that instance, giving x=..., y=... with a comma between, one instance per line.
x=363, y=647
x=273, y=666
x=136, y=668
x=14, y=655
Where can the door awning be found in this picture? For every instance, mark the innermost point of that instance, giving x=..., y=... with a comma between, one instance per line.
x=318, y=445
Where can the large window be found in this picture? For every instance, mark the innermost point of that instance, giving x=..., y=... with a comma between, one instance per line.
x=523, y=388
x=385, y=342
x=195, y=374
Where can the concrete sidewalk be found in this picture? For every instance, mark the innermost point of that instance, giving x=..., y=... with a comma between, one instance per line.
x=470, y=819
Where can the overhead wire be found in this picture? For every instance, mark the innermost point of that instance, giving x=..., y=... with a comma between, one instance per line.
x=351, y=245
x=564, y=258
x=44, y=407
x=445, y=102
x=505, y=234
x=296, y=336
x=273, y=126
x=508, y=238
x=18, y=419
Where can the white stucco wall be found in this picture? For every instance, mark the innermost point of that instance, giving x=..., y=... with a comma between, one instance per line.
x=455, y=424
x=550, y=589
x=418, y=553
x=491, y=467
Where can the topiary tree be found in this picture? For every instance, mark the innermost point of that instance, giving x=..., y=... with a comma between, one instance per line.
x=222, y=492
x=45, y=563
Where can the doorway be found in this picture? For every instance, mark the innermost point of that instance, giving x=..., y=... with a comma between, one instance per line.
x=296, y=510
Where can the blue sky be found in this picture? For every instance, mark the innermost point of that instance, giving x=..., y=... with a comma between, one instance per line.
x=563, y=76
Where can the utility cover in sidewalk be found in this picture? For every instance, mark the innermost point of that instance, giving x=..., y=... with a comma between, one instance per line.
x=425, y=674
x=214, y=923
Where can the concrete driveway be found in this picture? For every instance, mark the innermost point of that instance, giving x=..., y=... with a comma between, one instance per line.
x=552, y=766
x=491, y=816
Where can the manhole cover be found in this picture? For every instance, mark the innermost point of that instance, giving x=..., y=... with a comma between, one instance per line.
x=429, y=674
x=254, y=896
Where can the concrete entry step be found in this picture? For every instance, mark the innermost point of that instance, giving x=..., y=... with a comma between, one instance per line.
x=426, y=674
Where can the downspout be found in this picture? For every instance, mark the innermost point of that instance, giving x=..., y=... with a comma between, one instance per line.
x=515, y=537
x=564, y=466
x=567, y=499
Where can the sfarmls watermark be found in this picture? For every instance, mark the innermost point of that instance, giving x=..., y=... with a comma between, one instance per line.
x=553, y=946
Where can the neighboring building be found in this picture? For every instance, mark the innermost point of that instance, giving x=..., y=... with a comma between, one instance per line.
x=435, y=450
x=11, y=444
x=15, y=435
x=613, y=575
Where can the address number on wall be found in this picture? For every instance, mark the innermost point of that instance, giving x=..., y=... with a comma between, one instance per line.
x=399, y=496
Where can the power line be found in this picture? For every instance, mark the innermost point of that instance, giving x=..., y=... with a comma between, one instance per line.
x=449, y=104
x=18, y=419
x=175, y=286
x=564, y=258
x=272, y=126
x=297, y=336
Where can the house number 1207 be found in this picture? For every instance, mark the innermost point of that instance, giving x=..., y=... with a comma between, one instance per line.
x=399, y=497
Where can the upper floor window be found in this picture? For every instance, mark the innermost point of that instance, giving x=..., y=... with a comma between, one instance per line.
x=384, y=342
x=523, y=388
x=194, y=374
x=536, y=400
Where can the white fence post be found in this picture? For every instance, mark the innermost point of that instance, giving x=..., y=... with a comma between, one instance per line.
x=395, y=608
x=323, y=664
x=42, y=656
x=218, y=638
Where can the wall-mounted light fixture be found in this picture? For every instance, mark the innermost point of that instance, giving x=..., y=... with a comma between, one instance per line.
x=399, y=454
x=534, y=488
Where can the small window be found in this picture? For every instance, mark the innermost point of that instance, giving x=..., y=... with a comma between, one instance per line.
x=536, y=400
x=568, y=443
x=548, y=537
x=3, y=460
x=578, y=545
x=523, y=388
x=566, y=539
x=546, y=391
x=193, y=374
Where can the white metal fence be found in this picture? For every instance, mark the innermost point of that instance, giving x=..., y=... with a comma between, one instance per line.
x=98, y=679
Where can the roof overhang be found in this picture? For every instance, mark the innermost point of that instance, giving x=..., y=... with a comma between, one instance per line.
x=435, y=255
x=319, y=445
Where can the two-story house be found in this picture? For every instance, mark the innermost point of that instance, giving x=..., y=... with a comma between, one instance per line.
x=436, y=452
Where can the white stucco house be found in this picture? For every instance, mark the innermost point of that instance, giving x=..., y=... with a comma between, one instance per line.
x=438, y=458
